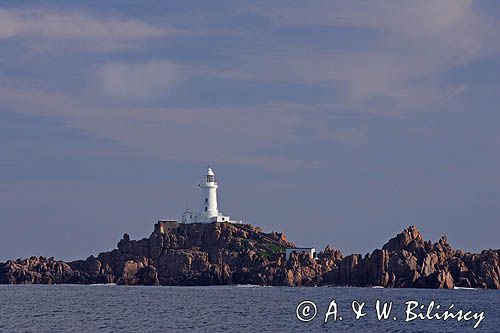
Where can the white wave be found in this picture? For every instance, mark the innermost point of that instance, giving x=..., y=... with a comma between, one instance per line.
x=102, y=284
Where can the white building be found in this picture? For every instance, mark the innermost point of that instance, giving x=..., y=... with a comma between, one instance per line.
x=209, y=211
x=309, y=250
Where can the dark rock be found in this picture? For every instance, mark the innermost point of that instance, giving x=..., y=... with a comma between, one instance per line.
x=224, y=253
x=408, y=239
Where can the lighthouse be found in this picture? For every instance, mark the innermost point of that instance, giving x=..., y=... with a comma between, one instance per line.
x=208, y=211
x=208, y=188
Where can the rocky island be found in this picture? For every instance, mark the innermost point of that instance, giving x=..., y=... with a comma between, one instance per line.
x=222, y=253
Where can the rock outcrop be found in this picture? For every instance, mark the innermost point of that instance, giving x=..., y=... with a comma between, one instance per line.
x=224, y=253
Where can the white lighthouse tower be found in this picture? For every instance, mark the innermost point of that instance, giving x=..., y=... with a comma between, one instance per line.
x=208, y=188
x=208, y=212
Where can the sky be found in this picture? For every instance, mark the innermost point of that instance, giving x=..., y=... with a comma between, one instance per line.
x=335, y=122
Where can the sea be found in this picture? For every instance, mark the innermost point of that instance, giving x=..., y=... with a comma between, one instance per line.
x=111, y=308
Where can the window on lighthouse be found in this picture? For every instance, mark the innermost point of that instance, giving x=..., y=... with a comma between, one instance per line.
x=210, y=178
x=206, y=208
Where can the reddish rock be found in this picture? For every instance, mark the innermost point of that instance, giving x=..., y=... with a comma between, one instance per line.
x=224, y=253
x=410, y=237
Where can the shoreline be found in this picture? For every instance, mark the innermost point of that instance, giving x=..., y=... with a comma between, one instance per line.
x=201, y=254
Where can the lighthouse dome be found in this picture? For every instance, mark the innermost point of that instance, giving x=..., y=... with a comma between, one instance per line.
x=210, y=172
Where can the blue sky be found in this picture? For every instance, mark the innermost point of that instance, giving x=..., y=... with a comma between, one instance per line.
x=337, y=122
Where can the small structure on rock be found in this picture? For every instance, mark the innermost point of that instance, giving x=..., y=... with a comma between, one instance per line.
x=309, y=250
x=165, y=226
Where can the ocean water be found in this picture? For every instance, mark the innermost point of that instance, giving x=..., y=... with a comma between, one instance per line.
x=109, y=308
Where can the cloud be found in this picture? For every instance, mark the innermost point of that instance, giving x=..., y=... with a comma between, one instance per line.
x=400, y=65
x=138, y=81
x=399, y=70
x=232, y=134
x=41, y=27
